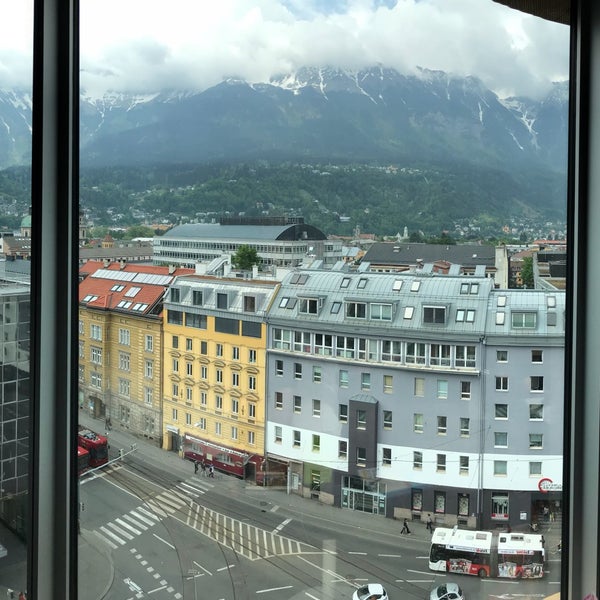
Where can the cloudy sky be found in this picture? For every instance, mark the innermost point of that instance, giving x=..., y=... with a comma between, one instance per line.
x=150, y=45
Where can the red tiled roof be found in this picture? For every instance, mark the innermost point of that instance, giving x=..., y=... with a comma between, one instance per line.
x=134, y=294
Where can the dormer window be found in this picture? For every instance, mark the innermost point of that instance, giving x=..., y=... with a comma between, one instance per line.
x=309, y=306
x=197, y=297
x=249, y=304
x=222, y=300
x=435, y=315
x=523, y=320
x=356, y=310
x=381, y=312
x=345, y=282
x=175, y=294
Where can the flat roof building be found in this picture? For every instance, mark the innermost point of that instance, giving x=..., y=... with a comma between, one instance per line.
x=277, y=245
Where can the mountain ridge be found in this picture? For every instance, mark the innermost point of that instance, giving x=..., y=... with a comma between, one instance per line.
x=374, y=114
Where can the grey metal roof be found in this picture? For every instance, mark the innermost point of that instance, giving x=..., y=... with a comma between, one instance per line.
x=214, y=231
x=261, y=290
x=468, y=255
x=547, y=305
x=405, y=292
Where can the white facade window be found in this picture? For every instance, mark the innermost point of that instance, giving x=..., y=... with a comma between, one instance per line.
x=124, y=361
x=148, y=369
x=124, y=387
x=251, y=356
x=278, y=435
x=149, y=343
x=96, y=380
x=96, y=355
x=96, y=332
x=316, y=408
x=124, y=337
x=418, y=423
x=148, y=395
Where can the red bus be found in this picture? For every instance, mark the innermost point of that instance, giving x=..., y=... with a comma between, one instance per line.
x=96, y=445
x=83, y=460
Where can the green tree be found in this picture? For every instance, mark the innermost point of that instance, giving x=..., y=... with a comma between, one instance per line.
x=527, y=272
x=139, y=231
x=245, y=258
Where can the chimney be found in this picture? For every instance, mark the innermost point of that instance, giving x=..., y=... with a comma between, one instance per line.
x=106, y=263
x=226, y=270
x=172, y=269
x=254, y=271
x=200, y=268
x=121, y=264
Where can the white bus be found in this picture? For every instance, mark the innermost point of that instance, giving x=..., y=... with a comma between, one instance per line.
x=482, y=553
x=461, y=551
x=520, y=555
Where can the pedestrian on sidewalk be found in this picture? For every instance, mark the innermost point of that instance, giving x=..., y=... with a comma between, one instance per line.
x=211, y=471
x=405, y=528
x=196, y=465
x=203, y=465
x=429, y=523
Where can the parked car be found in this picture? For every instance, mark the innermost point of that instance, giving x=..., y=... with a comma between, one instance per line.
x=371, y=591
x=447, y=591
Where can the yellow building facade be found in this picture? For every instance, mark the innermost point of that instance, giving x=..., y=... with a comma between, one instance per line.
x=214, y=357
x=120, y=345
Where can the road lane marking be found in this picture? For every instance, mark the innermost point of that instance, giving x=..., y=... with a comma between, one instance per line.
x=162, y=587
x=281, y=525
x=359, y=553
x=192, y=489
x=311, y=596
x=106, y=540
x=113, y=535
x=226, y=568
x=163, y=541
x=128, y=526
x=425, y=572
x=201, y=567
x=275, y=508
x=148, y=513
x=390, y=555
x=277, y=589
x=136, y=522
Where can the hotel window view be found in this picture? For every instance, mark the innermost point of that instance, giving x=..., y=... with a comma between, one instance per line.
x=278, y=274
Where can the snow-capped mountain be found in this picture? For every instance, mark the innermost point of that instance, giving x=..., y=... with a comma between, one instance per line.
x=315, y=113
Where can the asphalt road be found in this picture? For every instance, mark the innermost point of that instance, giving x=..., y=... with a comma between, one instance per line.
x=173, y=534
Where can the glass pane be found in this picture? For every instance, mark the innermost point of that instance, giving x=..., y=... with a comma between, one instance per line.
x=236, y=163
x=16, y=29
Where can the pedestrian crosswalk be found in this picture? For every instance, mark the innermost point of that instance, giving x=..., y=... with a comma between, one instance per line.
x=128, y=526
x=181, y=502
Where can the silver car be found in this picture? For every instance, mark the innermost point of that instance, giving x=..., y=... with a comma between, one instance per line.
x=371, y=591
x=447, y=591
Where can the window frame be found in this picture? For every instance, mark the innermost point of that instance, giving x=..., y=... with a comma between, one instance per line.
x=55, y=75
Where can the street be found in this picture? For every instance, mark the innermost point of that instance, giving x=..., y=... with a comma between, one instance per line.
x=171, y=533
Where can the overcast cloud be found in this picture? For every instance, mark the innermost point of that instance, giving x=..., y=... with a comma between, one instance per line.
x=145, y=46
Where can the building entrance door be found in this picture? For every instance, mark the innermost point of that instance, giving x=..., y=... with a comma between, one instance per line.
x=363, y=495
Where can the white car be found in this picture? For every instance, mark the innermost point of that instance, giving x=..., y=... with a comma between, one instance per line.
x=447, y=591
x=371, y=591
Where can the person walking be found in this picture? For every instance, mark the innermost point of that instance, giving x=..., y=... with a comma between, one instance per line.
x=429, y=523
x=211, y=471
x=203, y=465
x=405, y=528
x=195, y=466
